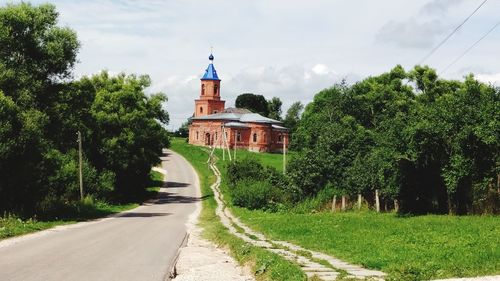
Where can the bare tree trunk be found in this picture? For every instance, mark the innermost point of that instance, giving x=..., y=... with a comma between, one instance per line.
x=343, y=202
x=359, y=201
x=334, y=203
x=377, y=201
x=396, y=205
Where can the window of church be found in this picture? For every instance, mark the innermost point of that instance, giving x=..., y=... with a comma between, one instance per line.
x=255, y=137
x=280, y=138
x=216, y=90
x=215, y=135
x=201, y=109
x=197, y=135
x=203, y=90
x=238, y=136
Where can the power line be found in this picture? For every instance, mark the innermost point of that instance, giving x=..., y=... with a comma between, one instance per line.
x=470, y=48
x=449, y=35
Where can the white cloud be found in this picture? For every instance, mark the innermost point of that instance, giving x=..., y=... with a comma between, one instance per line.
x=320, y=69
x=489, y=78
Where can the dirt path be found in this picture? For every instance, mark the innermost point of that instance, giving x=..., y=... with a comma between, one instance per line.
x=312, y=263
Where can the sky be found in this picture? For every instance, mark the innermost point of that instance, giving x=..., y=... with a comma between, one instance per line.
x=277, y=48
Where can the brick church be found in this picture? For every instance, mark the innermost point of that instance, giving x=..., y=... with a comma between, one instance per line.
x=214, y=125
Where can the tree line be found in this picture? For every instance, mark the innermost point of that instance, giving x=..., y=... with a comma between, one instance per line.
x=430, y=143
x=427, y=144
x=42, y=108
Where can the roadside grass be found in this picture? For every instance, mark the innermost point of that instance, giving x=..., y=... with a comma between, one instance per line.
x=87, y=209
x=405, y=247
x=264, y=264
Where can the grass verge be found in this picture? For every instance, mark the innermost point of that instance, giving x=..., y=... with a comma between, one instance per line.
x=264, y=264
x=407, y=248
x=11, y=225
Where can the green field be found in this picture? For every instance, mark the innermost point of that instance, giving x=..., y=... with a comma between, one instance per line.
x=264, y=264
x=406, y=247
x=274, y=160
x=11, y=225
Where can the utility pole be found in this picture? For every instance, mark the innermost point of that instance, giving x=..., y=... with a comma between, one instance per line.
x=80, y=160
x=235, y=140
x=284, y=154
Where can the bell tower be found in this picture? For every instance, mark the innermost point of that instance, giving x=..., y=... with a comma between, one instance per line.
x=209, y=101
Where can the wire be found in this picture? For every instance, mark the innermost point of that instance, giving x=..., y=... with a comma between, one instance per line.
x=470, y=48
x=449, y=35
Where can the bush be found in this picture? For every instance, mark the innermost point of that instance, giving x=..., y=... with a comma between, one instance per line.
x=252, y=194
x=247, y=168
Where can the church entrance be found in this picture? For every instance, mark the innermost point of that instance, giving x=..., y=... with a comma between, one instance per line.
x=208, y=139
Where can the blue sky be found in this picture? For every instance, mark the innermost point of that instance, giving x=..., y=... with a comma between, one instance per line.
x=288, y=49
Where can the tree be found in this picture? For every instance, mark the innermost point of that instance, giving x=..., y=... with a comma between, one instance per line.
x=292, y=118
x=35, y=57
x=183, y=130
x=274, y=106
x=254, y=103
x=435, y=147
x=128, y=134
x=41, y=109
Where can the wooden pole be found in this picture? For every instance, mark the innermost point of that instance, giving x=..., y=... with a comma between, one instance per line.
x=343, y=202
x=284, y=154
x=377, y=201
x=359, y=201
x=222, y=143
x=80, y=160
x=227, y=146
x=334, y=203
x=235, y=140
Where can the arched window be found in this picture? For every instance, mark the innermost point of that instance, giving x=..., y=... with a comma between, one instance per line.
x=216, y=90
x=254, y=137
x=238, y=136
x=201, y=109
x=197, y=135
x=280, y=138
x=203, y=89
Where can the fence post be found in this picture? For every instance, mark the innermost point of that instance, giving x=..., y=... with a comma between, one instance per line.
x=334, y=203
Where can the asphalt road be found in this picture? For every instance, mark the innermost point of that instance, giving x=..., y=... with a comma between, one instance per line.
x=140, y=244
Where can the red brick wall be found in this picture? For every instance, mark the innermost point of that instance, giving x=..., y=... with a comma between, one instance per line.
x=267, y=139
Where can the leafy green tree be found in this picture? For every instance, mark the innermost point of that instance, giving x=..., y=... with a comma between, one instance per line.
x=41, y=110
x=128, y=135
x=35, y=57
x=274, y=106
x=183, y=131
x=435, y=147
x=252, y=102
x=292, y=119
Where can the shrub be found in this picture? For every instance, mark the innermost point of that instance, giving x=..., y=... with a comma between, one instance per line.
x=252, y=194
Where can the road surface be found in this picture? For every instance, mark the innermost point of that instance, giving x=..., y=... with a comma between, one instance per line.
x=140, y=244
